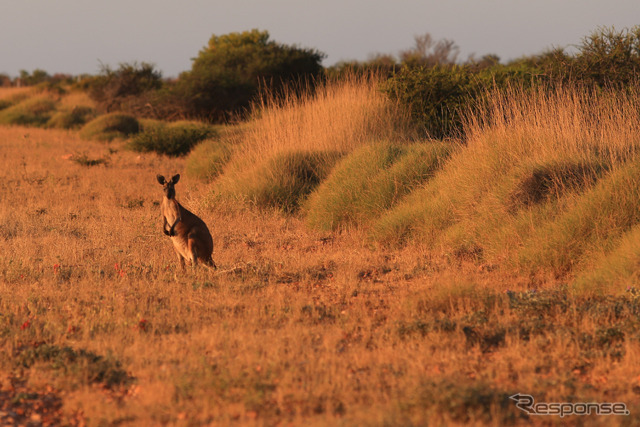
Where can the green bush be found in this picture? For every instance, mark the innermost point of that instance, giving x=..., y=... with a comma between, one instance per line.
x=440, y=97
x=228, y=73
x=281, y=182
x=609, y=57
x=70, y=119
x=371, y=180
x=34, y=111
x=206, y=160
x=110, y=126
x=174, y=139
x=113, y=88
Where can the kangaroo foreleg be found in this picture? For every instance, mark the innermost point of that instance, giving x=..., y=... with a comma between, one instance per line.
x=172, y=230
x=164, y=226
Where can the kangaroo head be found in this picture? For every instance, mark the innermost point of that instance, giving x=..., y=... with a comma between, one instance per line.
x=168, y=186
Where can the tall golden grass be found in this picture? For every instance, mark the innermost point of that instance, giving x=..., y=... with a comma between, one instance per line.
x=338, y=115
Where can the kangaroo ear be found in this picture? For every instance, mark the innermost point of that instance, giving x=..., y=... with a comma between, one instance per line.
x=175, y=178
x=160, y=179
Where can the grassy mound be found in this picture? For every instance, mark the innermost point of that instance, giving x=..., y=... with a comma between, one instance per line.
x=207, y=159
x=110, y=126
x=35, y=111
x=545, y=180
x=281, y=181
x=71, y=119
x=173, y=139
x=372, y=179
x=293, y=141
x=591, y=226
x=615, y=270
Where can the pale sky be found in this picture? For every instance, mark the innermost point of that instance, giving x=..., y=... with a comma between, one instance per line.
x=75, y=36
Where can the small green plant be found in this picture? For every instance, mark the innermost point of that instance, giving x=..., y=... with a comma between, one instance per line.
x=84, y=160
x=110, y=127
x=174, y=139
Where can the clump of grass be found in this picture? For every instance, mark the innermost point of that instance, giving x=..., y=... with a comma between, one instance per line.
x=85, y=367
x=5, y=103
x=84, y=160
x=592, y=225
x=372, y=179
x=110, y=126
x=616, y=270
x=71, y=119
x=538, y=183
x=281, y=181
x=35, y=111
x=207, y=159
x=14, y=95
x=173, y=139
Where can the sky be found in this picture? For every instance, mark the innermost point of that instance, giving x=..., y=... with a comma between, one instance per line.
x=77, y=36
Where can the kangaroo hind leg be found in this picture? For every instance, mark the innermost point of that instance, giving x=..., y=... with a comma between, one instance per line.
x=193, y=252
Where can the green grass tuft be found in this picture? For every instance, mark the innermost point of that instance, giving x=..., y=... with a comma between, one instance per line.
x=34, y=111
x=75, y=118
x=372, y=179
x=84, y=367
x=590, y=227
x=282, y=181
x=172, y=139
x=110, y=127
x=207, y=159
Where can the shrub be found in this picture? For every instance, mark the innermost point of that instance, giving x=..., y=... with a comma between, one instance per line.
x=110, y=126
x=174, y=139
x=70, y=119
x=609, y=58
x=36, y=77
x=227, y=74
x=281, y=181
x=372, y=179
x=34, y=111
x=113, y=88
x=439, y=97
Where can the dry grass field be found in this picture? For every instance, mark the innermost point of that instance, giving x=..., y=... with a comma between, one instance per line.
x=99, y=326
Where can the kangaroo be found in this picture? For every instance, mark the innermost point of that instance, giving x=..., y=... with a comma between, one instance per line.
x=190, y=235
